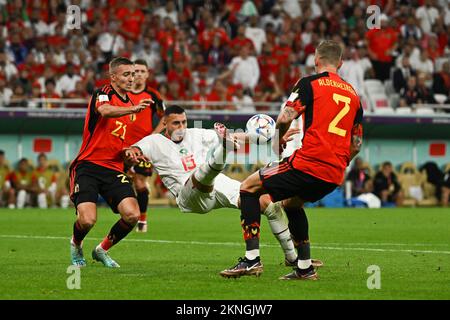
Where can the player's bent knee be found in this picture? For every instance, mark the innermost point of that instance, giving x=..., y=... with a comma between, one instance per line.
x=87, y=222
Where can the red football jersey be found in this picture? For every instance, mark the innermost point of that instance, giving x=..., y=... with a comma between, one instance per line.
x=143, y=121
x=104, y=138
x=332, y=109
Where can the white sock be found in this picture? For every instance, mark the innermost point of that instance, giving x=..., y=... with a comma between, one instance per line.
x=280, y=229
x=75, y=245
x=207, y=172
x=304, y=264
x=64, y=202
x=21, y=198
x=252, y=254
x=42, y=201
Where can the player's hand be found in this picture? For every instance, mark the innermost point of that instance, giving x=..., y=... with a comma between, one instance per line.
x=133, y=156
x=280, y=144
x=144, y=103
x=288, y=136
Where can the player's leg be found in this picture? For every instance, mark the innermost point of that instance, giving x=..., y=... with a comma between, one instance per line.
x=42, y=200
x=10, y=197
x=21, y=198
x=84, y=193
x=279, y=226
x=207, y=172
x=251, y=190
x=298, y=225
x=86, y=218
x=142, y=192
x=117, y=190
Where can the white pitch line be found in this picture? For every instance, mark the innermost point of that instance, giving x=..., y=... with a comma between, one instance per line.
x=317, y=246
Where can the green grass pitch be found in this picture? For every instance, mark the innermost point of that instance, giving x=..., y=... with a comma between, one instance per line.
x=181, y=255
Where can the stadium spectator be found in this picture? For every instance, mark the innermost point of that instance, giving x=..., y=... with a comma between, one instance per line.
x=255, y=33
x=410, y=29
x=424, y=65
x=359, y=177
x=402, y=74
x=110, y=41
x=7, y=68
x=44, y=182
x=131, y=18
x=427, y=15
x=148, y=50
x=386, y=185
x=50, y=93
x=22, y=182
x=274, y=17
x=425, y=93
x=409, y=95
x=169, y=10
x=244, y=69
x=441, y=79
x=239, y=41
x=352, y=71
x=381, y=45
x=68, y=81
x=219, y=93
x=5, y=92
x=218, y=56
x=7, y=193
x=19, y=97
x=210, y=31
x=201, y=96
x=242, y=101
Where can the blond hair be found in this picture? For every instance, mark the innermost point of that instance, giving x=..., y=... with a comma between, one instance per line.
x=330, y=52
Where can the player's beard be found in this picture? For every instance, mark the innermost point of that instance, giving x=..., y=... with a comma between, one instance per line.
x=178, y=135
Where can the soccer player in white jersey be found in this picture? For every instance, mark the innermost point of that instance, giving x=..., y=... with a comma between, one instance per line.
x=180, y=158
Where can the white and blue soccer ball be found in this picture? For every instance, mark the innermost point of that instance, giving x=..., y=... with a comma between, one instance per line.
x=260, y=128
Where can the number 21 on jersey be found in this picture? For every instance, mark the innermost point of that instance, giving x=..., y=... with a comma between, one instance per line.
x=188, y=163
x=333, y=126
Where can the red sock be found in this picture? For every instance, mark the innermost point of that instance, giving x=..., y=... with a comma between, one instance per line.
x=143, y=217
x=106, y=244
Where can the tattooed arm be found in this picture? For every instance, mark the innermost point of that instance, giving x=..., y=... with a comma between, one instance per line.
x=356, y=142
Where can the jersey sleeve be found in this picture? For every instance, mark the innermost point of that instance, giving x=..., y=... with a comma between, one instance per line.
x=158, y=107
x=301, y=96
x=146, y=144
x=209, y=137
x=101, y=97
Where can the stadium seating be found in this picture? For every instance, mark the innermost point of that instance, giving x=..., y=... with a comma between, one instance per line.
x=418, y=191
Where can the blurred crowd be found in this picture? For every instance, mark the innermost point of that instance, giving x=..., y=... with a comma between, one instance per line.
x=427, y=185
x=237, y=51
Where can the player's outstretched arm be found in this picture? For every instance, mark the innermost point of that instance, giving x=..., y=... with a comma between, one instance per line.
x=356, y=142
x=109, y=111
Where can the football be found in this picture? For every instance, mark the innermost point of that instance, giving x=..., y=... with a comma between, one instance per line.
x=260, y=128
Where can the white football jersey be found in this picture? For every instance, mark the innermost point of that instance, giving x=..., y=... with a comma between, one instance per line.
x=175, y=162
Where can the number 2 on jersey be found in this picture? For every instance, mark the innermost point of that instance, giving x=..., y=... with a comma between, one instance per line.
x=333, y=124
x=188, y=163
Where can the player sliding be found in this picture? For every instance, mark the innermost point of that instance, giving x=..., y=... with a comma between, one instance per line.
x=332, y=137
x=180, y=158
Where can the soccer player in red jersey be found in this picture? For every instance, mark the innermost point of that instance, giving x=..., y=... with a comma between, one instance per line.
x=332, y=137
x=143, y=125
x=98, y=167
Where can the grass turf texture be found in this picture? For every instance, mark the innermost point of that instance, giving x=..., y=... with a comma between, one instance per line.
x=181, y=255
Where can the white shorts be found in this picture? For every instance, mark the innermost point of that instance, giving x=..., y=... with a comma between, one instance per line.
x=224, y=195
